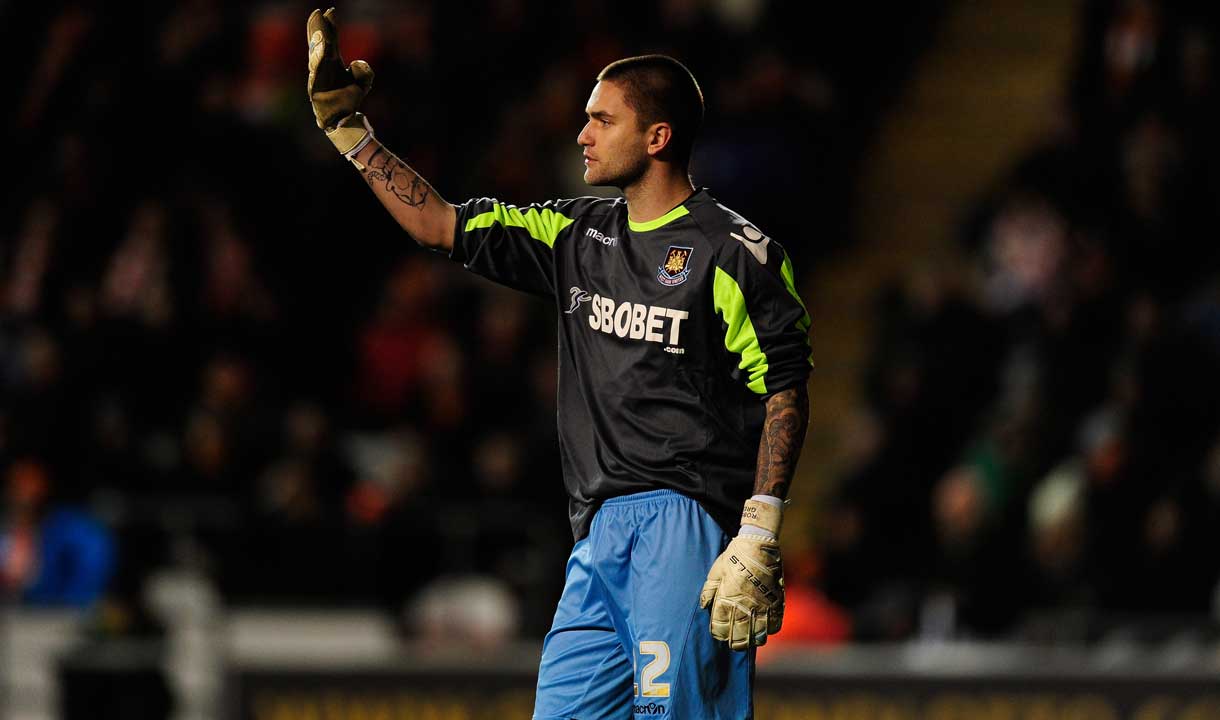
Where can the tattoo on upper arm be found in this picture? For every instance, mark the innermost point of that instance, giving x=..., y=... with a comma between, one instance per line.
x=384, y=168
x=782, y=438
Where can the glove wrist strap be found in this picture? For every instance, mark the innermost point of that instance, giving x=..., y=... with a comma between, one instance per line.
x=351, y=135
x=763, y=515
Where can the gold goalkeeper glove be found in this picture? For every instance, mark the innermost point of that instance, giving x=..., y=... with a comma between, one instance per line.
x=336, y=90
x=745, y=587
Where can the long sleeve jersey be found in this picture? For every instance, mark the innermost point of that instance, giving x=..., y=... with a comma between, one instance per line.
x=672, y=333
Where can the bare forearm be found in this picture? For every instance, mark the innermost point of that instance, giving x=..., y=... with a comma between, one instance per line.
x=782, y=437
x=409, y=198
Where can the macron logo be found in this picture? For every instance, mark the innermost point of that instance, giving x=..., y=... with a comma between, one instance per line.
x=754, y=241
x=601, y=237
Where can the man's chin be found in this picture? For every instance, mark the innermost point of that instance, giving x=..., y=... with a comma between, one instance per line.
x=593, y=180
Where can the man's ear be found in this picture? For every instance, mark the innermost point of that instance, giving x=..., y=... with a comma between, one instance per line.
x=659, y=136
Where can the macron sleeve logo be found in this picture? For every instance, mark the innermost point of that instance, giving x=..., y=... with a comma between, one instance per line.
x=601, y=237
x=754, y=241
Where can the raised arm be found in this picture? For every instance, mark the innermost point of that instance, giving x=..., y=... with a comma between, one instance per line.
x=409, y=198
x=335, y=91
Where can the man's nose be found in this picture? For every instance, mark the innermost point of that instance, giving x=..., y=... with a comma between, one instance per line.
x=584, y=139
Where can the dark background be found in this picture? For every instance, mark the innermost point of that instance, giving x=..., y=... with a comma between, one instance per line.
x=218, y=352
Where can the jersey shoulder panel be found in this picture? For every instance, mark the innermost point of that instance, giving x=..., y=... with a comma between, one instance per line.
x=726, y=230
x=586, y=209
x=569, y=208
x=586, y=206
x=547, y=222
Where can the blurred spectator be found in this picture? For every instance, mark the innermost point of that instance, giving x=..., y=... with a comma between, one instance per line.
x=390, y=470
x=395, y=346
x=34, y=246
x=233, y=292
x=50, y=554
x=809, y=618
x=310, y=478
x=1058, y=542
x=137, y=282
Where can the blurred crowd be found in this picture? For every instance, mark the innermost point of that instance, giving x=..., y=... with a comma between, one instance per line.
x=1039, y=453
x=217, y=352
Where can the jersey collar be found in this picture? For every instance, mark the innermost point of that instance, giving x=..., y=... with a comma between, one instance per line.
x=665, y=219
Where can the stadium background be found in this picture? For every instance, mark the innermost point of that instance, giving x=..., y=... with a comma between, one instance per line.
x=233, y=393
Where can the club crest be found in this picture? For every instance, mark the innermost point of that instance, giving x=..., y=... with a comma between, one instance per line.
x=676, y=267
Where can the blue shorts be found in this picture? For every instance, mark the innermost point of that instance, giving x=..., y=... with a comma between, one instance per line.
x=629, y=638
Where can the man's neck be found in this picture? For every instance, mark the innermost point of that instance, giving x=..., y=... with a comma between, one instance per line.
x=655, y=194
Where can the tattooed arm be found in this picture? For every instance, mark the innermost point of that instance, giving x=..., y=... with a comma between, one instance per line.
x=744, y=591
x=409, y=198
x=782, y=437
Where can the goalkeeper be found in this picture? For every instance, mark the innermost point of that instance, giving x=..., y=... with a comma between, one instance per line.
x=682, y=406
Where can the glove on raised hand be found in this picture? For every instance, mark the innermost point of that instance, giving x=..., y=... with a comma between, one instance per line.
x=745, y=587
x=335, y=90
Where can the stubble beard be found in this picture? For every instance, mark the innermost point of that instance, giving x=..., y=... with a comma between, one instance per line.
x=618, y=177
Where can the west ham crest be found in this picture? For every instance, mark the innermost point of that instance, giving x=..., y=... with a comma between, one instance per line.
x=676, y=266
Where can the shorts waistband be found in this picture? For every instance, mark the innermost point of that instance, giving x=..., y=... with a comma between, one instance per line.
x=642, y=497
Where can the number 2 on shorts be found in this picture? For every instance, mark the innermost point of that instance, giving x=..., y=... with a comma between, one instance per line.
x=648, y=687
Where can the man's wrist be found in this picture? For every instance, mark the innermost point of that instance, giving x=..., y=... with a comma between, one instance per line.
x=362, y=157
x=351, y=135
x=762, y=517
x=753, y=531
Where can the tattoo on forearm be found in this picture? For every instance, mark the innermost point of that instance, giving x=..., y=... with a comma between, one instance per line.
x=393, y=174
x=782, y=438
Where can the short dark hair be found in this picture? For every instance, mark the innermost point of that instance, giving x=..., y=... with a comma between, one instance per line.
x=661, y=89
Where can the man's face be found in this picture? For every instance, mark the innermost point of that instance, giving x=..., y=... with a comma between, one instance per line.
x=615, y=147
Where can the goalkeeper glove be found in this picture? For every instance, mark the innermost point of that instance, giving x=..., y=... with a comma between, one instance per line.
x=335, y=91
x=745, y=587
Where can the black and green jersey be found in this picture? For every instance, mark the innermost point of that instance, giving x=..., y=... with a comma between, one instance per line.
x=671, y=335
